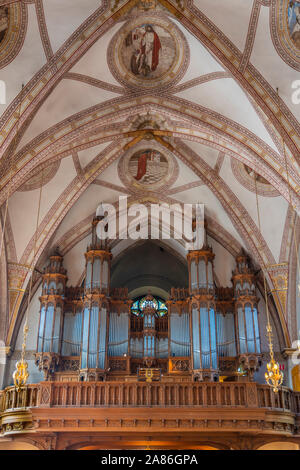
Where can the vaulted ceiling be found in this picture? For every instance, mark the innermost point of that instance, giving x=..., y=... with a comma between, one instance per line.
x=225, y=115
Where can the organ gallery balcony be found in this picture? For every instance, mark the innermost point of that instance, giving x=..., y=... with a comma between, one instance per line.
x=64, y=407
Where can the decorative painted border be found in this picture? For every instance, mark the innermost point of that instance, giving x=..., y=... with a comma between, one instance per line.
x=11, y=251
x=14, y=38
x=251, y=80
x=108, y=112
x=170, y=77
x=282, y=41
x=250, y=35
x=247, y=181
x=43, y=28
x=243, y=223
x=199, y=80
x=40, y=177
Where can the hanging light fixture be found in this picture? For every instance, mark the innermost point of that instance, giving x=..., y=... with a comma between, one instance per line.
x=273, y=376
x=21, y=374
x=17, y=418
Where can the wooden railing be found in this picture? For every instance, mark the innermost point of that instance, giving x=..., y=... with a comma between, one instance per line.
x=10, y=398
x=140, y=394
x=297, y=402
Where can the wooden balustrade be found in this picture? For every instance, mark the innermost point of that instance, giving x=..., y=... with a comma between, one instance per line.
x=297, y=401
x=141, y=394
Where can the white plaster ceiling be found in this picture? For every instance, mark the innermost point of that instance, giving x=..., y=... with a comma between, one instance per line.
x=224, y=96
x=29, y=61
x=88, y=155
x=270, y=65
x=94, y=63
x=231, y=17
x=272, y=209
x=208, y=154
x=64, y=17
x=68, y=98
x=201, y=61
x=218, y=96
x=213, y=207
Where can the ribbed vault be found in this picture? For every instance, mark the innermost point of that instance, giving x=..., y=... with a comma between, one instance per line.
x=103, y=119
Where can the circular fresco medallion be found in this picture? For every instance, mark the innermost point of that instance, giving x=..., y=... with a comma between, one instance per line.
x=147, y=167
x=285, y=30
x=247, y=176
x=148, y=52
x=13, y=24
x=4, y=22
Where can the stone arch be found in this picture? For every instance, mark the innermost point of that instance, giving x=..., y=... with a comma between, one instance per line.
x=279, y=445
x=17, y=444
x=205, y=172
x=205, y=126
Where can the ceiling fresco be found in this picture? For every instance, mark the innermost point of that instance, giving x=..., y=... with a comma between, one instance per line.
x=285, y=24
x=13, y=24
x=148, y=168
x=149, y=52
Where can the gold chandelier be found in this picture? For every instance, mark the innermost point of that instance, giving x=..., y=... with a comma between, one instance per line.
x=273, y=376
x=21, y=374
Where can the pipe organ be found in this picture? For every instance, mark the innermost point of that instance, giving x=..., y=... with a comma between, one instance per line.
x=95, y=333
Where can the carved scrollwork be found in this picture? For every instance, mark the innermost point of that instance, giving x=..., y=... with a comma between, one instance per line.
x=250, y=363
x=117, y=364
x=47, y=363
x=180, y=365
x=69, y=364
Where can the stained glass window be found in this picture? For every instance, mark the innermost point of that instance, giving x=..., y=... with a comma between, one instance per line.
x=143, y=302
